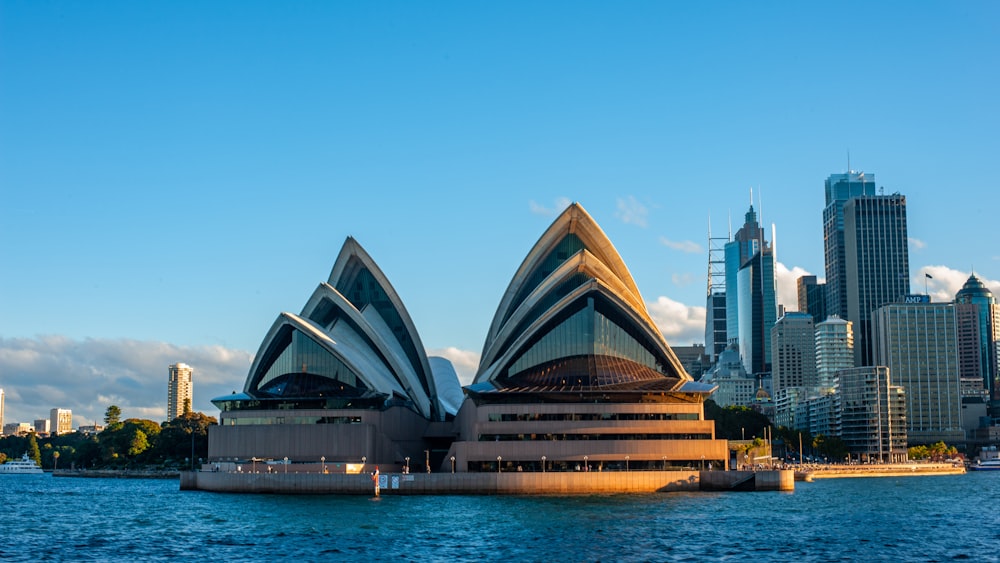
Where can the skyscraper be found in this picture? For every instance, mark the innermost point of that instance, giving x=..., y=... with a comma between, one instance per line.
x=793, y=352
x=757, y=311
x=839, y=189
x=61, y=421
x=179, y=390
x=978, y=334
x=877, y=263
x=747, y=242
x=918, y=343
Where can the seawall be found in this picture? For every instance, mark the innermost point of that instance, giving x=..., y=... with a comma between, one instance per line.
x=552, y=483
x=884, y=470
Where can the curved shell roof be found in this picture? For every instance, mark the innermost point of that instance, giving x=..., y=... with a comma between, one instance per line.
x=574, y=286
x=364, y=332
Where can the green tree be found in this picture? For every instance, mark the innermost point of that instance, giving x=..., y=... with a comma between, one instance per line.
x=112, y=415
x=830, y=447
x=736, y=423
x=183, y=434
x=33, y=451
x=137, y=442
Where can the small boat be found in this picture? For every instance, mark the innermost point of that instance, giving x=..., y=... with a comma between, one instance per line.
x=989, y=465
x=22, y=466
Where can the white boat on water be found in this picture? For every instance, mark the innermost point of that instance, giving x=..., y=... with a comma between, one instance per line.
x=990, y=465
x=25, y=465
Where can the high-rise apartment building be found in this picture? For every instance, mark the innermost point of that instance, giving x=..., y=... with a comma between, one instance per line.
x=978, y=335
x=793, y=352
x=877, y=263
x=179, y=390
x=834, y=351
x=918, y=343
x=840, y=188
x=872, y=414
x=61, y=421
x=812, y=297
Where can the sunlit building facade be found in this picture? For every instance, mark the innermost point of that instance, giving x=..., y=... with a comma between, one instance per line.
x=180, y=390
x=918, y=343
x=61, y=421
x=574, y=374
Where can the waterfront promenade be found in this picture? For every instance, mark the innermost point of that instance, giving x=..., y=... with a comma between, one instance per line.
x=552, y=483
x=883, y=470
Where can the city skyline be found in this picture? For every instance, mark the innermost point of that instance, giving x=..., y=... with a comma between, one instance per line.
x=173, y=175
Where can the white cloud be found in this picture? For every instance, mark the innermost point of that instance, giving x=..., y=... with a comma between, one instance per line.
x=917, y=244
x=787, y=281
x=561, y=203
x=631, y=212
x=684, y=246
x=680, y=324
x=46, y=372
x=945, y=283
x=466, y=362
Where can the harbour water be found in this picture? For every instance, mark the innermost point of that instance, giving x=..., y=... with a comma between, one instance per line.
x=934, y=518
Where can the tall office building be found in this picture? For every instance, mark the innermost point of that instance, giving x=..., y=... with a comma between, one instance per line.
x=179, y=390
x=757, y=311
x=793, y=352
x=834, y=351
x=748, y=241
x=918, y=343
x=61, y=421
x=872, y=414
x=840, y=188
x=877, y=263
x=812, y=297
x=978, y=335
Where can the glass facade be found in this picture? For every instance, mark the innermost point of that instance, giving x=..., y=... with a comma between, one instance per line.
x=839, y=189
x=586, y=331
x=568, y=246
x=300, y=367
x=757, y=312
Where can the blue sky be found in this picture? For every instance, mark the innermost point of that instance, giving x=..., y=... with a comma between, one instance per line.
x=173, y=175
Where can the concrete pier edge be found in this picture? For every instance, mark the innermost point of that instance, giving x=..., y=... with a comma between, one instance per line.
x=551, y=483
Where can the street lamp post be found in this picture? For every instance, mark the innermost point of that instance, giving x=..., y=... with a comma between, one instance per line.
x=427, y=460
x=322, y=461
x=626, y=464
x=543, y=464
x=452, y=464
x=664, y=463
x=702, y=463
x=498, y=463
x=364, y=461
x=286, y=465
x=586, y=466
x=407, y=468
x=55, y=461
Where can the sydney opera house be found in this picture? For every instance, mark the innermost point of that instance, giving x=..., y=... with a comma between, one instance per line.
x=574, y=376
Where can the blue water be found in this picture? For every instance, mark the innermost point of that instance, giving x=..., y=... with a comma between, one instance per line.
x=940, y=518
